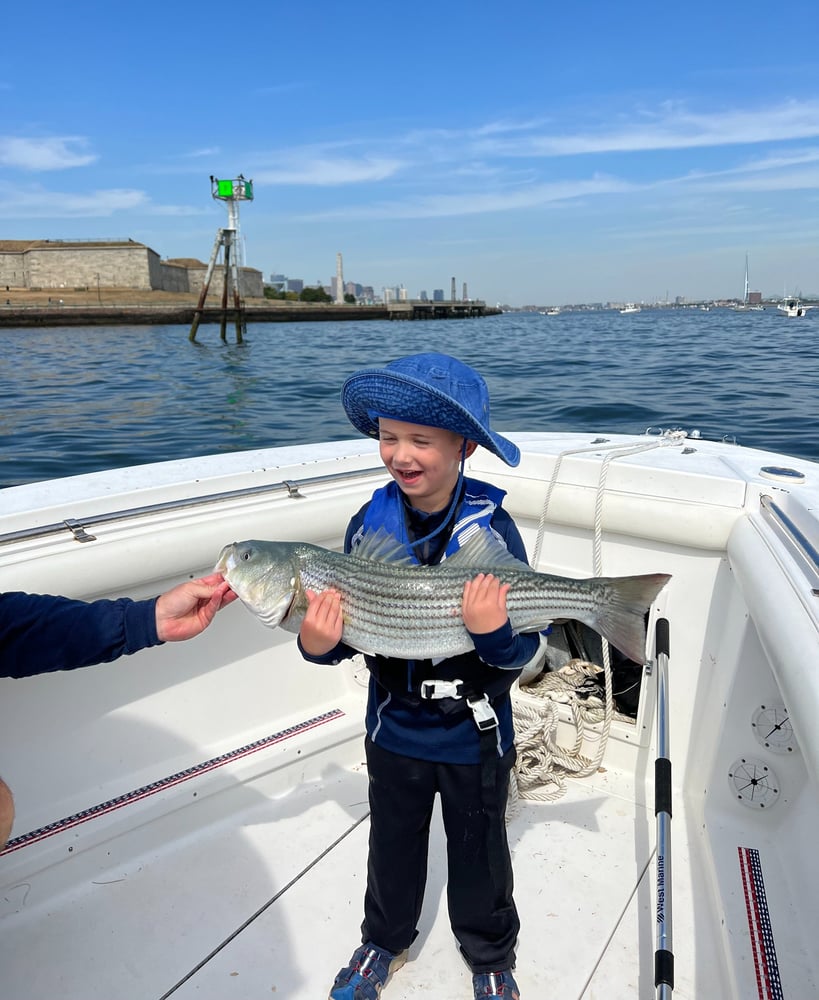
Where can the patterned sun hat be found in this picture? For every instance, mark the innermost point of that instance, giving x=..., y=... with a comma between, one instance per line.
x=431, y=389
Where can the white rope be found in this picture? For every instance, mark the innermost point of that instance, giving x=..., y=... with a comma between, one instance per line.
x=542, y=764
x=663, y=440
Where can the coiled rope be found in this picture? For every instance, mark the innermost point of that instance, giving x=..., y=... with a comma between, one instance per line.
x=542, y=764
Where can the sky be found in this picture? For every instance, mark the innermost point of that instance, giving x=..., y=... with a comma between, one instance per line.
x=541, y=153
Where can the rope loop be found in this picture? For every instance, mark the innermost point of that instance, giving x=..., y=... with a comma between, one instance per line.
x=542, y=765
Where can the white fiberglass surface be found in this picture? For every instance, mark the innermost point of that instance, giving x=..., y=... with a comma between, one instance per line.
x=137, y=927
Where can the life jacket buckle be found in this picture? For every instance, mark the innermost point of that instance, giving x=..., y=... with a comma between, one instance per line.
x=483, y=713
x=435, y=689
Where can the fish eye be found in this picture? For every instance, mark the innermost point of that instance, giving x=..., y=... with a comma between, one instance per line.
x=245, y=555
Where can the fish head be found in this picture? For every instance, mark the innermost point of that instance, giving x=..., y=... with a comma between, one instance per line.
x=264, y=575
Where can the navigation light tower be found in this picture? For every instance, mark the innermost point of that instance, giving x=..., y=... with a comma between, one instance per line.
x=231, y=192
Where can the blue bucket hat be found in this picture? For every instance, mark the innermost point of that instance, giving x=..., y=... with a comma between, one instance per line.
x=431, y=389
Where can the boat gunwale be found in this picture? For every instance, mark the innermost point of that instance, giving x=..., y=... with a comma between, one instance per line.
x=78, y=526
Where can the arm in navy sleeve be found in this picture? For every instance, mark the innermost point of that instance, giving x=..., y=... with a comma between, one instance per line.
x=504, y=647
x=40, y=633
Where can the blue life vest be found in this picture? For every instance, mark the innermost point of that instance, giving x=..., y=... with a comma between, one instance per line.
x=403, y=678
x=386, y=511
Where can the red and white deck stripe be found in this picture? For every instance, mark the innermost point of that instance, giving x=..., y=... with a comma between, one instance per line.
x=769, y=986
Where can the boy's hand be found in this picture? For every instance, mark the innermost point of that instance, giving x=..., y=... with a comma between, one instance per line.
x=323, y=623
x=484, y=603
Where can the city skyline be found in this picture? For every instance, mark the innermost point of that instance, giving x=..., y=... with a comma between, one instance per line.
x=543, y=156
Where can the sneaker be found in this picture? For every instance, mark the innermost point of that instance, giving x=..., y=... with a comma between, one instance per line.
x=367, y=974
x=495, y=984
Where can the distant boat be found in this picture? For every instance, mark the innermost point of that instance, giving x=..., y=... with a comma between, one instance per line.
x=553, y=312
x=792, y=308
x=630, y=308
x=746, y=307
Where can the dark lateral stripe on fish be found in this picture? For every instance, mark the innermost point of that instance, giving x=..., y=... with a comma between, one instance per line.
x=414, y=612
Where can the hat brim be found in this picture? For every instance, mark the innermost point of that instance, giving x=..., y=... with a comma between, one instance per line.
x=374, y=392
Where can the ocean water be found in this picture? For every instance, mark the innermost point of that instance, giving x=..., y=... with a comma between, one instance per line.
x=82, y=399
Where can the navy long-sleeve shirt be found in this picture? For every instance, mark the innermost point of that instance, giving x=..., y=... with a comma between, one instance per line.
x=421, y=730
x=40, y=633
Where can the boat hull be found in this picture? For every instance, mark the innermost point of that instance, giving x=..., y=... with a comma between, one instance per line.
x=202, y=806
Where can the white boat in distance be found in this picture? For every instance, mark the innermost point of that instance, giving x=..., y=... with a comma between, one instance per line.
x=192, y=821
x=630, y=308
x=792, y=308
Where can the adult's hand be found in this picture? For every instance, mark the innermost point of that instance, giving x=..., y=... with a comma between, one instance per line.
x=188, y=609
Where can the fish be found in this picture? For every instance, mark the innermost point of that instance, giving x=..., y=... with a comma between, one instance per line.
x=393, y=607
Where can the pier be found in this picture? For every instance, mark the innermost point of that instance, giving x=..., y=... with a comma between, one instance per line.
x=423, y=309
x=128, y=308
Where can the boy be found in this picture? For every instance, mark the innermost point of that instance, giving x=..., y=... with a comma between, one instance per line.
x=434, y=726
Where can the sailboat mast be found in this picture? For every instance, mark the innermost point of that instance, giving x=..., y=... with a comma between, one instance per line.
x=745, y=295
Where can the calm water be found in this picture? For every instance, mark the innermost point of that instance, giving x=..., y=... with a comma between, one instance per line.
x=83, y=399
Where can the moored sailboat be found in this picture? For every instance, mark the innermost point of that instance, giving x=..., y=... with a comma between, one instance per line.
x=745, y=305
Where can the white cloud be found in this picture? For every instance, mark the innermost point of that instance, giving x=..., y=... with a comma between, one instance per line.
x=669, y=127
x=440, y=206
x=53, y=153
x=207, y=151
x=790, y=180
x=326, y=172
x=38, y=203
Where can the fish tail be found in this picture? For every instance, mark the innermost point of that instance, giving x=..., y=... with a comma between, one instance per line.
x=621, y=618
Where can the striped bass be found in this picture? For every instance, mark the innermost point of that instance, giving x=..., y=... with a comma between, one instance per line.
x=393, y=607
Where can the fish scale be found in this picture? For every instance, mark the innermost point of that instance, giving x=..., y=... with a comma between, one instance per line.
x=394, y=608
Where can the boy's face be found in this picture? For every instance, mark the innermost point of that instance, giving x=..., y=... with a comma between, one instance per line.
x=424, y=461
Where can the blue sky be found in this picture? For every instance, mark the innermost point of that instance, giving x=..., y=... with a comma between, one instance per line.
x=611, y=151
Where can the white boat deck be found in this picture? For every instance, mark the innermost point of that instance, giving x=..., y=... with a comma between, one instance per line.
x=247, y=879
x=191, y=821
x=271, y=879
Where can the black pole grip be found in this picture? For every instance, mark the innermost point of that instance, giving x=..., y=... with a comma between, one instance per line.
x=661, y=643
x=664, y=968
x=662, y=785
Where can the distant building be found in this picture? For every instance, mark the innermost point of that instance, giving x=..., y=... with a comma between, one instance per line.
x=422, y=295
x=754, y=298
x=438, y=295
x=295, y=285
x=120, y=263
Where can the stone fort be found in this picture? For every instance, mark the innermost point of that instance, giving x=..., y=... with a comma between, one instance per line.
x=91, y=264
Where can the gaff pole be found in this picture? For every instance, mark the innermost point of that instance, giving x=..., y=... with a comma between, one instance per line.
x=663, y=955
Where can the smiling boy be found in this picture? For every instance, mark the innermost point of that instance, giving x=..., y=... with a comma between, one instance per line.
x=434, y=726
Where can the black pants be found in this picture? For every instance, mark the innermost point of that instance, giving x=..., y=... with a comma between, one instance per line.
x=481, y=912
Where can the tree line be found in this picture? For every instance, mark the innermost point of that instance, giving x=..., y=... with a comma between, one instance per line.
x=311, y=294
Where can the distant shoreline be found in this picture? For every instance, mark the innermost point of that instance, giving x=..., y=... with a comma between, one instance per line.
x=126, y=307
x=165, y=315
